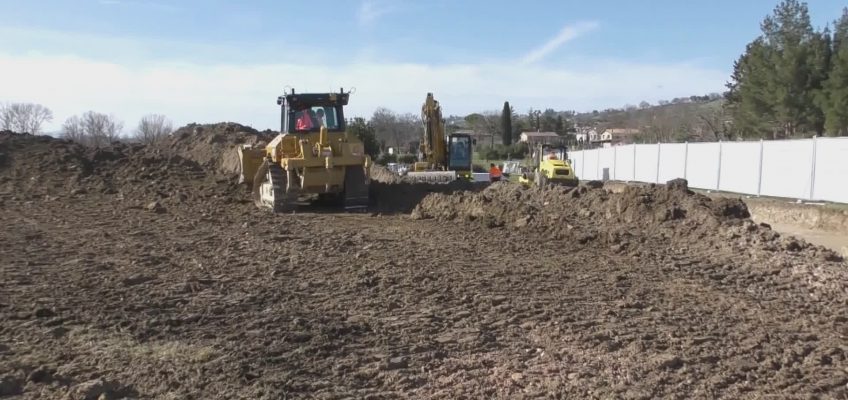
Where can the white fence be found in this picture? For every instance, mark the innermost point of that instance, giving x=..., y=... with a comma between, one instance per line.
x=808, y=169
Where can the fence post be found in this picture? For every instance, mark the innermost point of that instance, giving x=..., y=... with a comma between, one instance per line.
x=583, y=164
x=598, y=165
x=813, y=169
x=685, y=159
x=760, y=173
x=614, y=160
x=634, y=162
x=718, y=178
x=659, y=154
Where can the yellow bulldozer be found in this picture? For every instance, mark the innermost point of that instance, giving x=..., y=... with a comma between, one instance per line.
x=442, y=158
x=312, y=155
x=549, y=165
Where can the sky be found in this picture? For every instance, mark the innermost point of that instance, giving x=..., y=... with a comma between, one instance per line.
x=209, y=61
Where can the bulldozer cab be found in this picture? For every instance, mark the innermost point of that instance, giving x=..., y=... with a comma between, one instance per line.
x=308, y=112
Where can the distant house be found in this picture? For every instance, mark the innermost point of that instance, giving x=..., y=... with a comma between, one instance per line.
x=534, y=138
x=617, y=136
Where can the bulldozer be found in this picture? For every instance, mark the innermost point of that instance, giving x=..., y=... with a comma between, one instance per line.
x=313, y=155
x=441, y=157
x=550, y=166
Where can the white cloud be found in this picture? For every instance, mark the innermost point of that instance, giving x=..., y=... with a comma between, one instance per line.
x=195, y=92
x=370, y=11
x=566, y=34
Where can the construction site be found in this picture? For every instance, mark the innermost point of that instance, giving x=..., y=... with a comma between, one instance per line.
x=138, y=271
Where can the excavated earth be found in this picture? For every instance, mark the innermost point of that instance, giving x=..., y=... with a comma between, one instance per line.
x=145, y=272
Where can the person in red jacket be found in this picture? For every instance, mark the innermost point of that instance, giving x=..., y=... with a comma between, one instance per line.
x=304, y=122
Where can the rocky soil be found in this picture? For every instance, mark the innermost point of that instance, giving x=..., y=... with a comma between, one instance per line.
x=146, y=273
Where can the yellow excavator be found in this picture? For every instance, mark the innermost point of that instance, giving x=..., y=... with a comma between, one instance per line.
x=441, y=158
x=312, y=155
x=550, y=166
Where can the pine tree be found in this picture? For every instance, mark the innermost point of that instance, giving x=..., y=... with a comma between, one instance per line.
x=835, y=102
x=748, y=99
x=777, y=84
x=506, y=124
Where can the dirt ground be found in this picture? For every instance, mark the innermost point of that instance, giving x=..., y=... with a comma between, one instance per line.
x=167, y=283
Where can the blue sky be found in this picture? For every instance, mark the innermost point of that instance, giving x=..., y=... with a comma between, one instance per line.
x=207, y=61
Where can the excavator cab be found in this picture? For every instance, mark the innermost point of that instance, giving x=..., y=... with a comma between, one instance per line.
x=312, y=155
x=460, y=155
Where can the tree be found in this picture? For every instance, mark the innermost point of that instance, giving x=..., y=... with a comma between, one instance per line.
x=506, y=124
x=92, y=129
x=835, y=91
x=366, y=133
x=24, y=117
x=559, y=127
x=791, y=40
x=152, y=128
x=398, y=130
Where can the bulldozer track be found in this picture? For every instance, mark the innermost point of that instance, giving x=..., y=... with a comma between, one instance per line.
x=355, y=190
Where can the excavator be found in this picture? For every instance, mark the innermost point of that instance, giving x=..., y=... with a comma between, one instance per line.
x=441, y=157
x=312, y=155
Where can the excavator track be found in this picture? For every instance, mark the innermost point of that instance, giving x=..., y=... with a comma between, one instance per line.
x=356, y=189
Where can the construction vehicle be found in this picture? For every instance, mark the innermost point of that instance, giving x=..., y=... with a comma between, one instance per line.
x=550, y=165
x=312, y=155
x=441, y=158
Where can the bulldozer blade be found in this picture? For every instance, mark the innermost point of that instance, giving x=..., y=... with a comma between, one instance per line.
x=250, y=159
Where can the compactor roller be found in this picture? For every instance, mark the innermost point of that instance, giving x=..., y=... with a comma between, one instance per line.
x=312, y=155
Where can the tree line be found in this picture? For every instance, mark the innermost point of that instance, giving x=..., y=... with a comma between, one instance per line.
x=89, y=128
x=792, y=80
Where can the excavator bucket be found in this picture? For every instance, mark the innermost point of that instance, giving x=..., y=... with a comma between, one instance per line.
x=250, y=159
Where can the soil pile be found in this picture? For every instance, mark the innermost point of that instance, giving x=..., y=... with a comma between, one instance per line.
x=669, y=214
x=391, y=193
x=213, y=146
x=45, y=167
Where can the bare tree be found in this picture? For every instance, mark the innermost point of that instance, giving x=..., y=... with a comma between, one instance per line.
x=24, y=117
x=152, y=128
x=92, y=129
x=72, y=130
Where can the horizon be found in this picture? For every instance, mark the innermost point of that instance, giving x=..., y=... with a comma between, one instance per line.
x=209, y=62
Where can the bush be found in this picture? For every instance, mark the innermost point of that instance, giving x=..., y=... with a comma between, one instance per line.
x=504, y=152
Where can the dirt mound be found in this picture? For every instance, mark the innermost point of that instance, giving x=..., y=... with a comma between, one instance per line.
x=670, y=212
x=213, y=146
x=43, y=167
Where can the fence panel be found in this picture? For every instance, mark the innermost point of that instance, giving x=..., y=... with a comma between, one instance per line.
x=590, y=165
x=624, y=163
x=646, y=162
x=831, y=173
x=702, y=165
x=672, y=161
x=787, y=168
x=606, y=162
x=740, y=167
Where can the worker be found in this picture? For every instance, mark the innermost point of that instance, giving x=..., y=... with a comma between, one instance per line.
x=304, y=122
x=320, y=116
x=552, y=156
x=494, y=173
